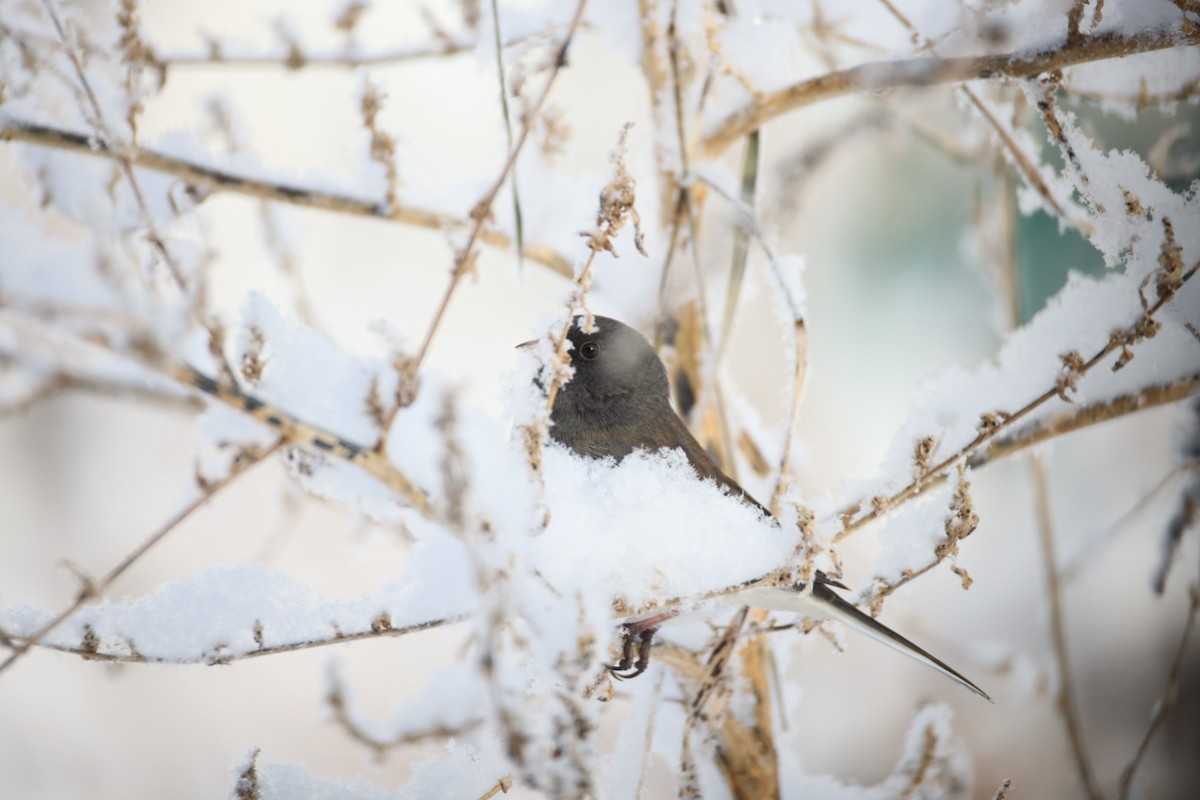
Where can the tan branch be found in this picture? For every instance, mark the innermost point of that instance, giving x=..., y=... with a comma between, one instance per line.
x=342, y=716
x=464, y=259
x=1086, y=416
x=63, y=383
x=993, y=425
x=1065, y=701
x=297, y=432
x=209, y=180
x=1163, y=706
x=218, y=57
x=918, y=72
x=374, y=631
x=502, y=785
x=91, y=591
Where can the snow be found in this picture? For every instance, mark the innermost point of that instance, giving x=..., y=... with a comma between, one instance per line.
x=646, y=530
x=537, y=567
x=231, y=611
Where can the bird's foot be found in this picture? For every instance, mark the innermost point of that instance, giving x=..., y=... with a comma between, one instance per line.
x=634, y=638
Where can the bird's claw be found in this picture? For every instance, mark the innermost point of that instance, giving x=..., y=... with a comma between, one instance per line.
x=629, y=667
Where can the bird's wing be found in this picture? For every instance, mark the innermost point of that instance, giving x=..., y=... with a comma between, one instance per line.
x=824, y=603
x=676, y=434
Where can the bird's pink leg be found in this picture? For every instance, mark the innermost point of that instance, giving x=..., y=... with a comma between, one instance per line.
x=638, y=634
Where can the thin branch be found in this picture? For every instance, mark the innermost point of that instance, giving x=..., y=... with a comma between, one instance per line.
x=919, y=72
x=1029, y=171
x=741, y=243
x=1065, y=701
x=343, y=717
x=518, y=223
x=215, y=658
x=117, y=150
x=1163, y=706
x=1077, y=419
x=297, y=432
x=217, y=56
x=1086, y=416
x=502, y=785
x=1099, y=545
x=1149, y=397
x=91, y=591
x=464, y=260
x=209, y=179
x=1118, y=340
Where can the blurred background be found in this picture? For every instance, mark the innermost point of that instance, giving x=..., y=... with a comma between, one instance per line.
x=899, y=287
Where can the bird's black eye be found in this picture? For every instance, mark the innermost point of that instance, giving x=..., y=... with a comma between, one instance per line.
x=589, y=350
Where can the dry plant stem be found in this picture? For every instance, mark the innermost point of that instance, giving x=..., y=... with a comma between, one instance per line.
x=741, y=243
x=756, y=661
x=1073, y=569
x=918, y=72
x=739, y=750
x=342, y=716
x=1002, y=791
x=1028, y=170
x=211, y=180
x=343, y=60
x=63, y=383
x=297, y=432
x=923, y=482
x=1149, y=397
x=91, y=591
x=465, y=257
x=502, y=785
x=648, y=740
x=921, y=770
x=655, y=71
x=1086, y=416
x=216, y=657
x=115, y=149
x=1065, y=701
x=518, y=223
x=560, y=341
x=1163, y=706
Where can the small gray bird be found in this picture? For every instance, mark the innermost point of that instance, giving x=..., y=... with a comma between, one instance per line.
x=618, y=401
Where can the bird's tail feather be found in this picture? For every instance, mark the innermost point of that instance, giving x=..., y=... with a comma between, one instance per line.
x=824, y=603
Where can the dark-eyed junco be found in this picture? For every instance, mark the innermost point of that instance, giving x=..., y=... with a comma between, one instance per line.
x=618, y=401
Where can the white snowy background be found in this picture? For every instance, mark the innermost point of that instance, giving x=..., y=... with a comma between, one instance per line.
x=943, y=249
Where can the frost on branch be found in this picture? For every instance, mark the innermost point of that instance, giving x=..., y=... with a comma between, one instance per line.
x=202, y=226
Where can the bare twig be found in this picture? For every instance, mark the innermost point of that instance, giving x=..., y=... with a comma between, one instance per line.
x=1086, y=416
x=1120, y=339
x=1089, y=415
x=205, y=180
x=1163, y=705
x=217, y=56
x=92, y=590
x=216, y=657
x=741, y=243
x=518, y=223
x=918, y=72
x=345, y=719
x=1028, y=170
x=112, y=145
x=295, y=431
x=502, y=785
x=1058, y=632
x=464, y=259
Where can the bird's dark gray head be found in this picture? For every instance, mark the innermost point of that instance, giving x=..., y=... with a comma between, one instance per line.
x=619, y=382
